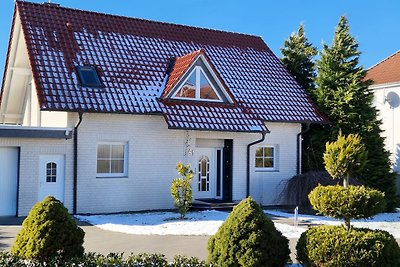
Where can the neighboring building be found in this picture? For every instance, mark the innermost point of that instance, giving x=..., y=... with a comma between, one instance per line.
x=386, y=86
x=97, y=110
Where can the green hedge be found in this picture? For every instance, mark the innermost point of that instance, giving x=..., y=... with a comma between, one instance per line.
x=334, y=246
x=248, y=239
x=353, y=202
x=98, y=260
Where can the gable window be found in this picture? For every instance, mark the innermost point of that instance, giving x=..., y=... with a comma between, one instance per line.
x=111, y=159
x=197, y=87
x=88, y=76
x=265, y=158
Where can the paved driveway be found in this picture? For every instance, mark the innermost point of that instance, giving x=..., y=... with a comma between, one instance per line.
x=102, y=241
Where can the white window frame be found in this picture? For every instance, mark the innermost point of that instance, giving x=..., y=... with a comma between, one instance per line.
x=198, y=71
x=274, y=158
x=114, y=175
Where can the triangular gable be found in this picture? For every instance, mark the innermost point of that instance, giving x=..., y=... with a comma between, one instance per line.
x=193, y=77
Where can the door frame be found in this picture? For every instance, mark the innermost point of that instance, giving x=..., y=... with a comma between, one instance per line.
x=44, y=159
x=17, y=176
x=216, y=170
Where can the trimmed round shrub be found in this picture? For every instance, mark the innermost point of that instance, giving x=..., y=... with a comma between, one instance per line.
x=248, y=238
x=48, y=232
x=353, y=202
x=334, y=246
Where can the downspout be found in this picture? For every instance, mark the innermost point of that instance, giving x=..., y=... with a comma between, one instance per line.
x=248, y=162
x=80, y=114
x=298, y=158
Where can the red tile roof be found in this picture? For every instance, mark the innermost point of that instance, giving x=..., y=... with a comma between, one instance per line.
x=210, y=116
x=386, y=71
x=132, y=57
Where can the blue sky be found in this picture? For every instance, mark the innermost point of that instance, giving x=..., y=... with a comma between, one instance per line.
x=375, y=24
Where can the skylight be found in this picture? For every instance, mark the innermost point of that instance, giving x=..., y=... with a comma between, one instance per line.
x=88, y=76
x=197, y=87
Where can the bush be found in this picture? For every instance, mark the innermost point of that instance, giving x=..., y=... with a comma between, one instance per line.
x=344, y=157
x=147, y=260
x=353, y=202
x=181, y=189
x=334, y=246
x=99, y=260
x=248, y=238
x=48, y=231
x=183, y=261
x=298, y=187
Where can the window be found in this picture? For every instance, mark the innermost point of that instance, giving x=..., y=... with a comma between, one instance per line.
x=265, y=158
x=197, y=87
x=51, y=172
x=88, y=76
x=204, y=175
x=111, y=160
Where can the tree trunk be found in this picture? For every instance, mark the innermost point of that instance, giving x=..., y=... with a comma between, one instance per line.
x=346, y=181
x=347, y=223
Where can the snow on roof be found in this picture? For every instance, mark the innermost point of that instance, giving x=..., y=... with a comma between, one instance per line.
x=132, y=57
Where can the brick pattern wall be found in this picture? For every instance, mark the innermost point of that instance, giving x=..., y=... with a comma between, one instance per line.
x=153, y=151
x=30, y=151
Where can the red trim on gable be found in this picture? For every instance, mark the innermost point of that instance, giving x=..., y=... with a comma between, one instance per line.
x=182, y=64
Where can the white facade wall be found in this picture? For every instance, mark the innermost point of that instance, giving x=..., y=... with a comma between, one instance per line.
x=154, y=150
x=30, y=150
x=390, y=116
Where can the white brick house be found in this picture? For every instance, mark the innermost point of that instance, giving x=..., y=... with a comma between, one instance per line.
x=97, y=109
x=386, y=87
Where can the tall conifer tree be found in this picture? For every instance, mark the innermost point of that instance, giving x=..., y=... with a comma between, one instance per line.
x=298, y=57
x=343, y=95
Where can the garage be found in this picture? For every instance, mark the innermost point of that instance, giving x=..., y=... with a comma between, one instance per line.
x=9, y=158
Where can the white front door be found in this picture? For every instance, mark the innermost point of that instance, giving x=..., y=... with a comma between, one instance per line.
x=51, y=176
x=205, y=174
x=207, y=183
x=8, y=180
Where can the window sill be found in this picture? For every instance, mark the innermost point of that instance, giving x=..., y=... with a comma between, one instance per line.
x=266, y=170
x=112, y=177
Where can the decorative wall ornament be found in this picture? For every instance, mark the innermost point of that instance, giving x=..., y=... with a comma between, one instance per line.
x=188, y=145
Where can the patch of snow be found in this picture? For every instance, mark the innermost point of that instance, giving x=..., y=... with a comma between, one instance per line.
x=208, y=222
x=160, y=223
x=389, y=222
x=289, y=231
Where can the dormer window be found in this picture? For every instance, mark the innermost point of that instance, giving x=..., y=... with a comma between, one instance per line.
x=88, y=76
x=197, y=87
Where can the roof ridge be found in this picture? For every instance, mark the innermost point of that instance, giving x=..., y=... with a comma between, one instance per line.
x=141, y=19
x=383, y=60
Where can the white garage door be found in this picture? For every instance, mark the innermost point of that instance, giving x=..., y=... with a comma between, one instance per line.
x=8, y=180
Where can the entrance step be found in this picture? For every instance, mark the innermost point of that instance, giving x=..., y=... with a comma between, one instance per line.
x=212, y=204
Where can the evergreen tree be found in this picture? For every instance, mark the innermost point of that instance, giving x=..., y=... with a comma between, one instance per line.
x=298, y=58
x=343, y=95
